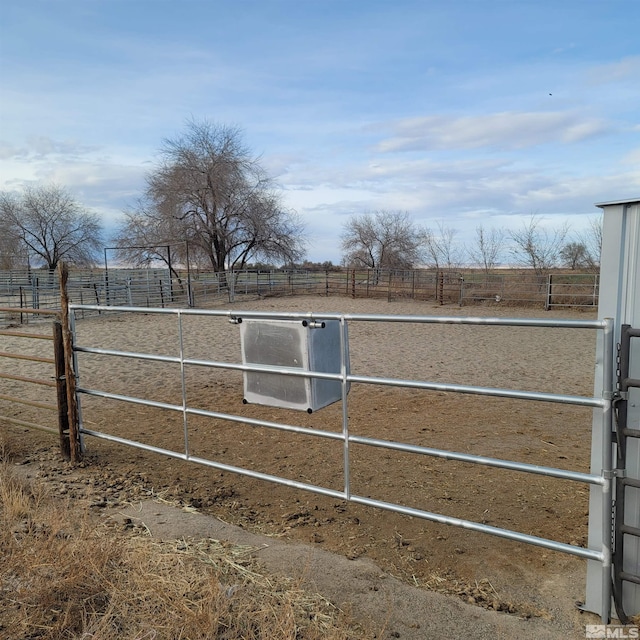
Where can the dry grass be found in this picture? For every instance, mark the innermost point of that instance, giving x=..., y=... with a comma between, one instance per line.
x=63, y=575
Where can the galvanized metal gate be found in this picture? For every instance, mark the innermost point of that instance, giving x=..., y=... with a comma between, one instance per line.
x=601, y=404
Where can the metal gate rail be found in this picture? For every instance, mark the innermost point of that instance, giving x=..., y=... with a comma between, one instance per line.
x=604, y=404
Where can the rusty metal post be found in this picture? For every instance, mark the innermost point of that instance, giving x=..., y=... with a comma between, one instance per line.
x=75, y=449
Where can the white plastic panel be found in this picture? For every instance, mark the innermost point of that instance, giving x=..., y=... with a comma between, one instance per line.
x=291, y=344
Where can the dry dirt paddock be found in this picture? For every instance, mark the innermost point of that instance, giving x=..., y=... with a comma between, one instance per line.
x=479, y=568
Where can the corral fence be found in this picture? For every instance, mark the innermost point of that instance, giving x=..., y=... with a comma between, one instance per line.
x=342, y=376
x=72, y=430
x=58, y=381
x=523, y=288
x=35, y=289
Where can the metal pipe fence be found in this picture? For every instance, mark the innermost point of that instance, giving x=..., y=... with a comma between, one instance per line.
x=572, y=290
x=345, y=378
x=38, y=289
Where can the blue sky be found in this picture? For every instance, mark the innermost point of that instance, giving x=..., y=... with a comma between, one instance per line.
x=461, y=112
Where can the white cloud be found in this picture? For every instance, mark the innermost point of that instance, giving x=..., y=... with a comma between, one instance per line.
x=44, y=145
x=564, y=49
x=104, y=185
x=627, y=68
x=457, y=190
x=564, y=193
x=38, y=147
x=632, y=157
x=507, y=130
x=115, y=185
x=9, y=151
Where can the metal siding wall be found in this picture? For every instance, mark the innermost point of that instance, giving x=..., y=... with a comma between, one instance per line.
x=631, y=313
x=619, y=299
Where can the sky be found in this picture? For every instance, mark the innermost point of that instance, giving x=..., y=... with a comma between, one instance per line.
x=460, y=112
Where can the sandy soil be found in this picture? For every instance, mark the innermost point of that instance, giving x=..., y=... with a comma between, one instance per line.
x=478, y=569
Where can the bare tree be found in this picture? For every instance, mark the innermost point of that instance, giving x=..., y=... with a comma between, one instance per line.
x=12, y=253
x=584, y=251
x=592, y=241
x=538, y=248
x=50, y=225
x=574, y=255
x=488, y=247
x=381, y=240
x=441, y=250
x=209, y=191
x=146, y=237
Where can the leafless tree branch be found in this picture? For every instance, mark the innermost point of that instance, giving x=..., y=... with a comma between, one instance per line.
x=50, y=225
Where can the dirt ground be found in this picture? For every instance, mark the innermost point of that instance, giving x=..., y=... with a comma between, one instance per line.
x=477, y=568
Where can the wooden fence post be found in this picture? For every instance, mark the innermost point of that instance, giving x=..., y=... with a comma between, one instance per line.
x=61, y=389
x=75, y=449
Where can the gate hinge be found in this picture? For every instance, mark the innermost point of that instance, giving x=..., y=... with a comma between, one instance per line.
x=614, y=473
x=617, y=395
